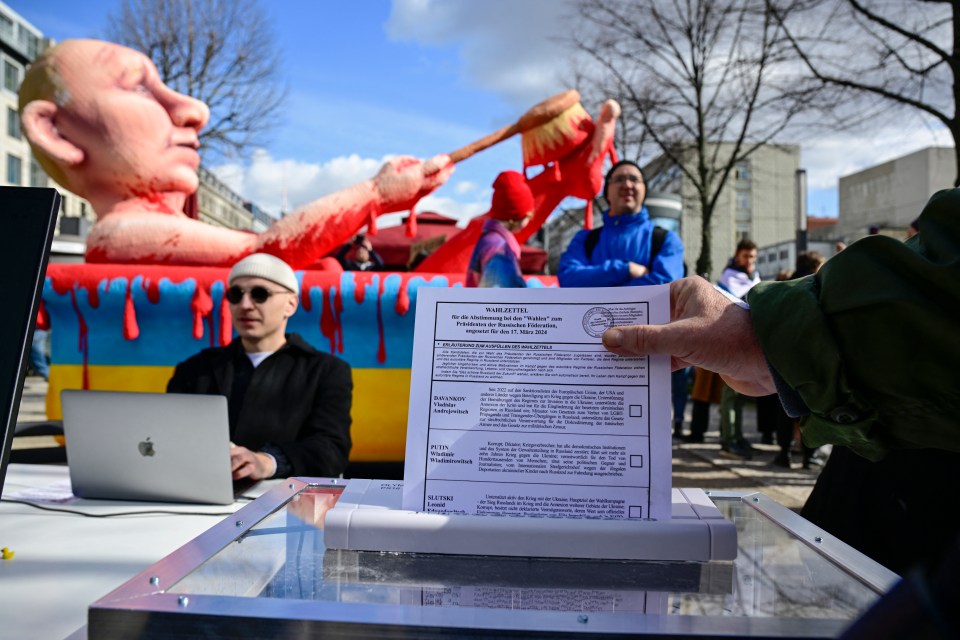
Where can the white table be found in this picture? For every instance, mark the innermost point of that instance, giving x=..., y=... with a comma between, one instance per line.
x=64, y=562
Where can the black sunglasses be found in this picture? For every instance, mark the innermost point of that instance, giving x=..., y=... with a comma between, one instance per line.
x=258, y=294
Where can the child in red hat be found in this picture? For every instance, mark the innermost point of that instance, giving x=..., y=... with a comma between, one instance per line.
x=495, y=261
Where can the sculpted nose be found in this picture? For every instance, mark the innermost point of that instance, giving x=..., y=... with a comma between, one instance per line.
x=186, y=111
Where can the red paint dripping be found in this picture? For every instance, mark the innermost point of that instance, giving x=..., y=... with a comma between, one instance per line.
x=226, y=322
x=382, y=348
x=411, y=230
x=43, y=317
x=131, y=330
x=93, y=295
x=327, y=325
x=372, y=223
x=359, y=288
x=403, y=297
x=201, y=305
x=338, y=317
x=83, y=345
x=152, y=287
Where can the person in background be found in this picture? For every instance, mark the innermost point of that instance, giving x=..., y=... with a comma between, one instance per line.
x=738, y=278
x=359, y=255
x=495, y=261
x=38, y=353
x=628, y=249
x=288, y=404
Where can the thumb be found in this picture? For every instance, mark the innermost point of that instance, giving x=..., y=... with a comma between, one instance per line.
x=642, y=340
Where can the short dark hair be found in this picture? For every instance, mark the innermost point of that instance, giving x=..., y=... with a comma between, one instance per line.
x=617, y=165
x=809, y=262
x=746, y=245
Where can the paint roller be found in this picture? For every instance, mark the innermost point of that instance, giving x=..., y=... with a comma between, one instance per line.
x=549, y=130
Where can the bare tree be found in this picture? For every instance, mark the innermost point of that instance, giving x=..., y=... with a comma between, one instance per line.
x=902, y=52
x=220, y=51
x=706, y=81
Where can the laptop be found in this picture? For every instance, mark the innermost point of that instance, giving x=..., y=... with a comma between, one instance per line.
x=161, y=447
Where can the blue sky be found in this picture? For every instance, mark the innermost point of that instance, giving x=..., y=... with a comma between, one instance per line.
x=374, y=78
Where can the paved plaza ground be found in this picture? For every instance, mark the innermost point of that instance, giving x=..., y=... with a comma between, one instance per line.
x=694, y=465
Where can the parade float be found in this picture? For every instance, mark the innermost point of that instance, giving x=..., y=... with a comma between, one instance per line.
x=151, y=292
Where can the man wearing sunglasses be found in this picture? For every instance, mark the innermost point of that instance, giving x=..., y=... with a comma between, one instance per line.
x=289, y=404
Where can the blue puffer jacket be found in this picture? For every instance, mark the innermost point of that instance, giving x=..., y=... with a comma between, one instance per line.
x=623, y=239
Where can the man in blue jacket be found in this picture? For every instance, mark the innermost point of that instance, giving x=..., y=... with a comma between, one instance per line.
x=628, y=249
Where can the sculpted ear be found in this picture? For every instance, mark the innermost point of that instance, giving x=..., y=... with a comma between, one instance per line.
x=38, y=123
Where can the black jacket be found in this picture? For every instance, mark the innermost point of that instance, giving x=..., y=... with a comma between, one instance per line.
x=298, y=401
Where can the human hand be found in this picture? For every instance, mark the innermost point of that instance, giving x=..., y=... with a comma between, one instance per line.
x=403, y=181
x=245, y=463
x=706, y=330
x=637, y=270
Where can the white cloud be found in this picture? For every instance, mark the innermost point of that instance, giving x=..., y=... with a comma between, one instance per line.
x=464, y=187
x=267, y=181
x=270, y=182
x=510, y=47
x=832, y=156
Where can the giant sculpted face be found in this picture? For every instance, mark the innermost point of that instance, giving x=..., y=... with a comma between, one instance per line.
x=101, y=114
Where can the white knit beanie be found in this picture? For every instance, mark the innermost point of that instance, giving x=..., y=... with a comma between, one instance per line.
x=268, y=267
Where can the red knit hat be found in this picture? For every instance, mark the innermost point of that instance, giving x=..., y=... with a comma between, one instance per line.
x=512, y=198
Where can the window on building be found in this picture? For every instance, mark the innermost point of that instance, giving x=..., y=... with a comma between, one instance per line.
x=667, y=181
x=742, y=171
x=6, y=27
x=11, y=76
x=784, y=254
x=743, y=231
x=33, y=45
x=743, y=201
x=13, y=123
x=38, y=178
x=83, y=209
x=14, y=171
x=63, y=204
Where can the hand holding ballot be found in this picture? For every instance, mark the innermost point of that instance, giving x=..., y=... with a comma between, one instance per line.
x=706, y=330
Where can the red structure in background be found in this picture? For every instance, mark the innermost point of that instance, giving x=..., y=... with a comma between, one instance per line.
x=399, y=252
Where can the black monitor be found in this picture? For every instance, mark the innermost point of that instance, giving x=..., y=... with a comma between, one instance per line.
x=27, y=220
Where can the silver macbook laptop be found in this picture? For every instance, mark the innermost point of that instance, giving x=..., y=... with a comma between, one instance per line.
x=165, y=447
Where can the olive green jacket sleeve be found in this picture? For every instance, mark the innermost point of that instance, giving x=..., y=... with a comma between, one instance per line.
x=871, y=343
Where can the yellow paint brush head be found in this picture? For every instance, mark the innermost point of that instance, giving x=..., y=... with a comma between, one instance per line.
x=558, y=135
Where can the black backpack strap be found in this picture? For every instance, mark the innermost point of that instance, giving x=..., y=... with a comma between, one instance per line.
x=656, y=243
x=591, y=241
x=659, y=235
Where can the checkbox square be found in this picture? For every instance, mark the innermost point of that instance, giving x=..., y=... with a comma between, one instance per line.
x=636, y=411
x=635, y=511
x=636, y=461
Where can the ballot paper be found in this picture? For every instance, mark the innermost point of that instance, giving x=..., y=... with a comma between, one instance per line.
x=517, y=409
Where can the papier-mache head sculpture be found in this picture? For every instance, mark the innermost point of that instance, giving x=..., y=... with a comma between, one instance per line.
x=103, y=124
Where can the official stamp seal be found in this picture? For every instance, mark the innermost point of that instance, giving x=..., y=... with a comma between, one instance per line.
x=597, y=320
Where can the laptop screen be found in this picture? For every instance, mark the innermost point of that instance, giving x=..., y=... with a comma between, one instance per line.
x=29, y=216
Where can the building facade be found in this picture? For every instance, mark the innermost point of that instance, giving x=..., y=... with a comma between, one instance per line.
x=758, y=202
x=887, y=197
